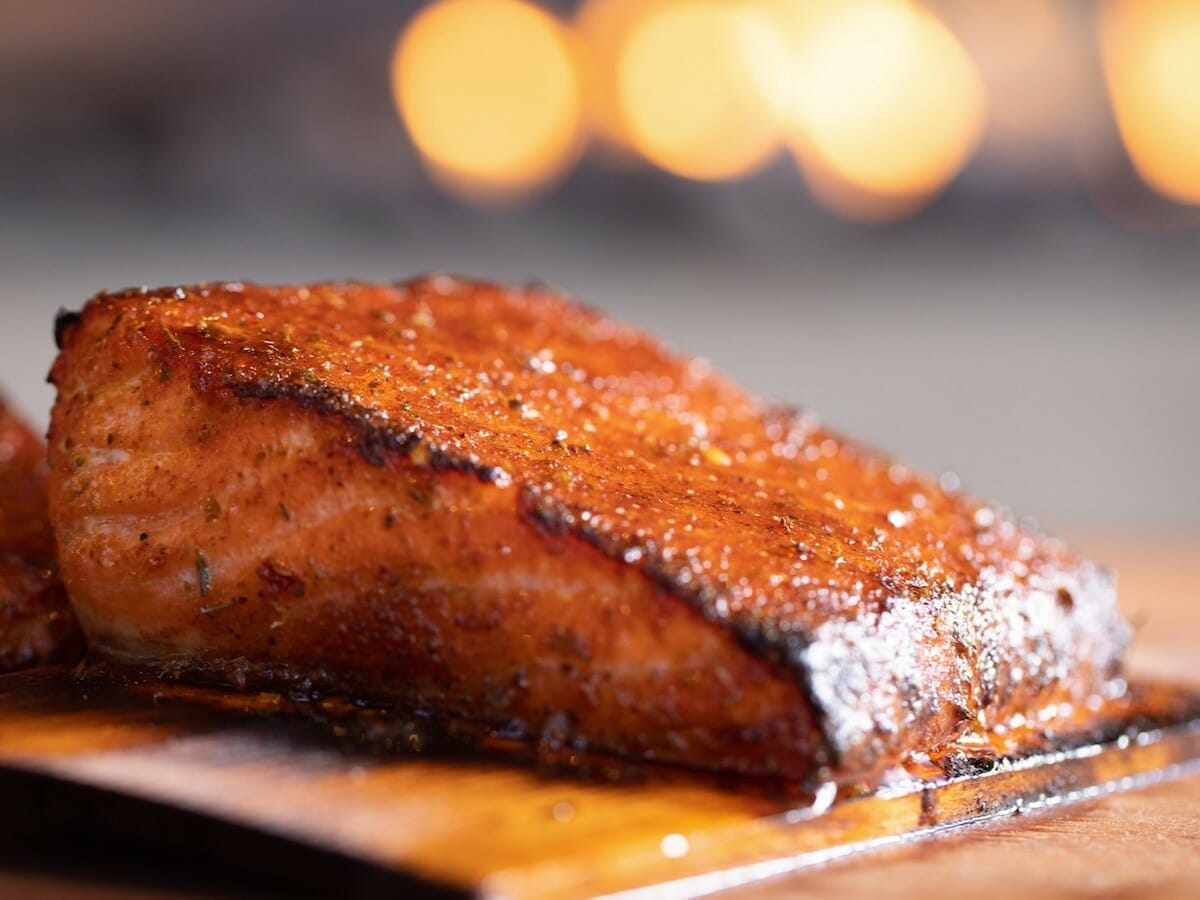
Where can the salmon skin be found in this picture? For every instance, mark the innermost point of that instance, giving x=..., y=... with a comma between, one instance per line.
x=495, y=505
x=36, y=623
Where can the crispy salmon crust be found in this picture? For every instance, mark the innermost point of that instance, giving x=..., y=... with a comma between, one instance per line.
x=36, y=623
x=494, y=504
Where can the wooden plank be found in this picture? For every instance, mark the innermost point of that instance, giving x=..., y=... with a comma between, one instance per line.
x=530, y=834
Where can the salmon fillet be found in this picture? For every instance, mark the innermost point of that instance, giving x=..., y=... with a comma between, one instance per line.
x=495, y=505
x=36, y=624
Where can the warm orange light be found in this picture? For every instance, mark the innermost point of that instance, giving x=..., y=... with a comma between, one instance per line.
x=1151, y=51
x=692, y=79
x=490, y=93
x=794, y=21
x=603, y=27
x=850, y=201
x=887, y=101
x=1035, y=59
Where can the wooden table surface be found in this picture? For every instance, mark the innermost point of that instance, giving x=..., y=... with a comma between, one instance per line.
x=1145, y=842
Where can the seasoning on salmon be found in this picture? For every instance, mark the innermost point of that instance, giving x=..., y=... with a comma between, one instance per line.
x=493, y=504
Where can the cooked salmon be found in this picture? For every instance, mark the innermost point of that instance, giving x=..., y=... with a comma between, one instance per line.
x=495, y=505
x=36, y=624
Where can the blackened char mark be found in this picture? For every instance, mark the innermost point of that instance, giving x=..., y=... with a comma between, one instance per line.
x=64, y=322
x=377, y=441
x=758, y=636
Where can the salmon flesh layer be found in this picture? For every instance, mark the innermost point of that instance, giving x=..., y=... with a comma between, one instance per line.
x=491, y=504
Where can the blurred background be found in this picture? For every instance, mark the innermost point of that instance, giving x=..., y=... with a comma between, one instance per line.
x=965, y=232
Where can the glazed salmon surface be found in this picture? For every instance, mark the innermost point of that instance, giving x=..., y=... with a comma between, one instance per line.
x=36, y=624
x=492, y=504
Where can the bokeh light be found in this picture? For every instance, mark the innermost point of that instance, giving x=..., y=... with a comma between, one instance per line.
x=881, y=101
x=793, y=21
x=1038, y=65
x=694, y=84
x=490, y=92
x=850, y=201
x=888, y=104
x=1151, y=53
x=603, y=27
